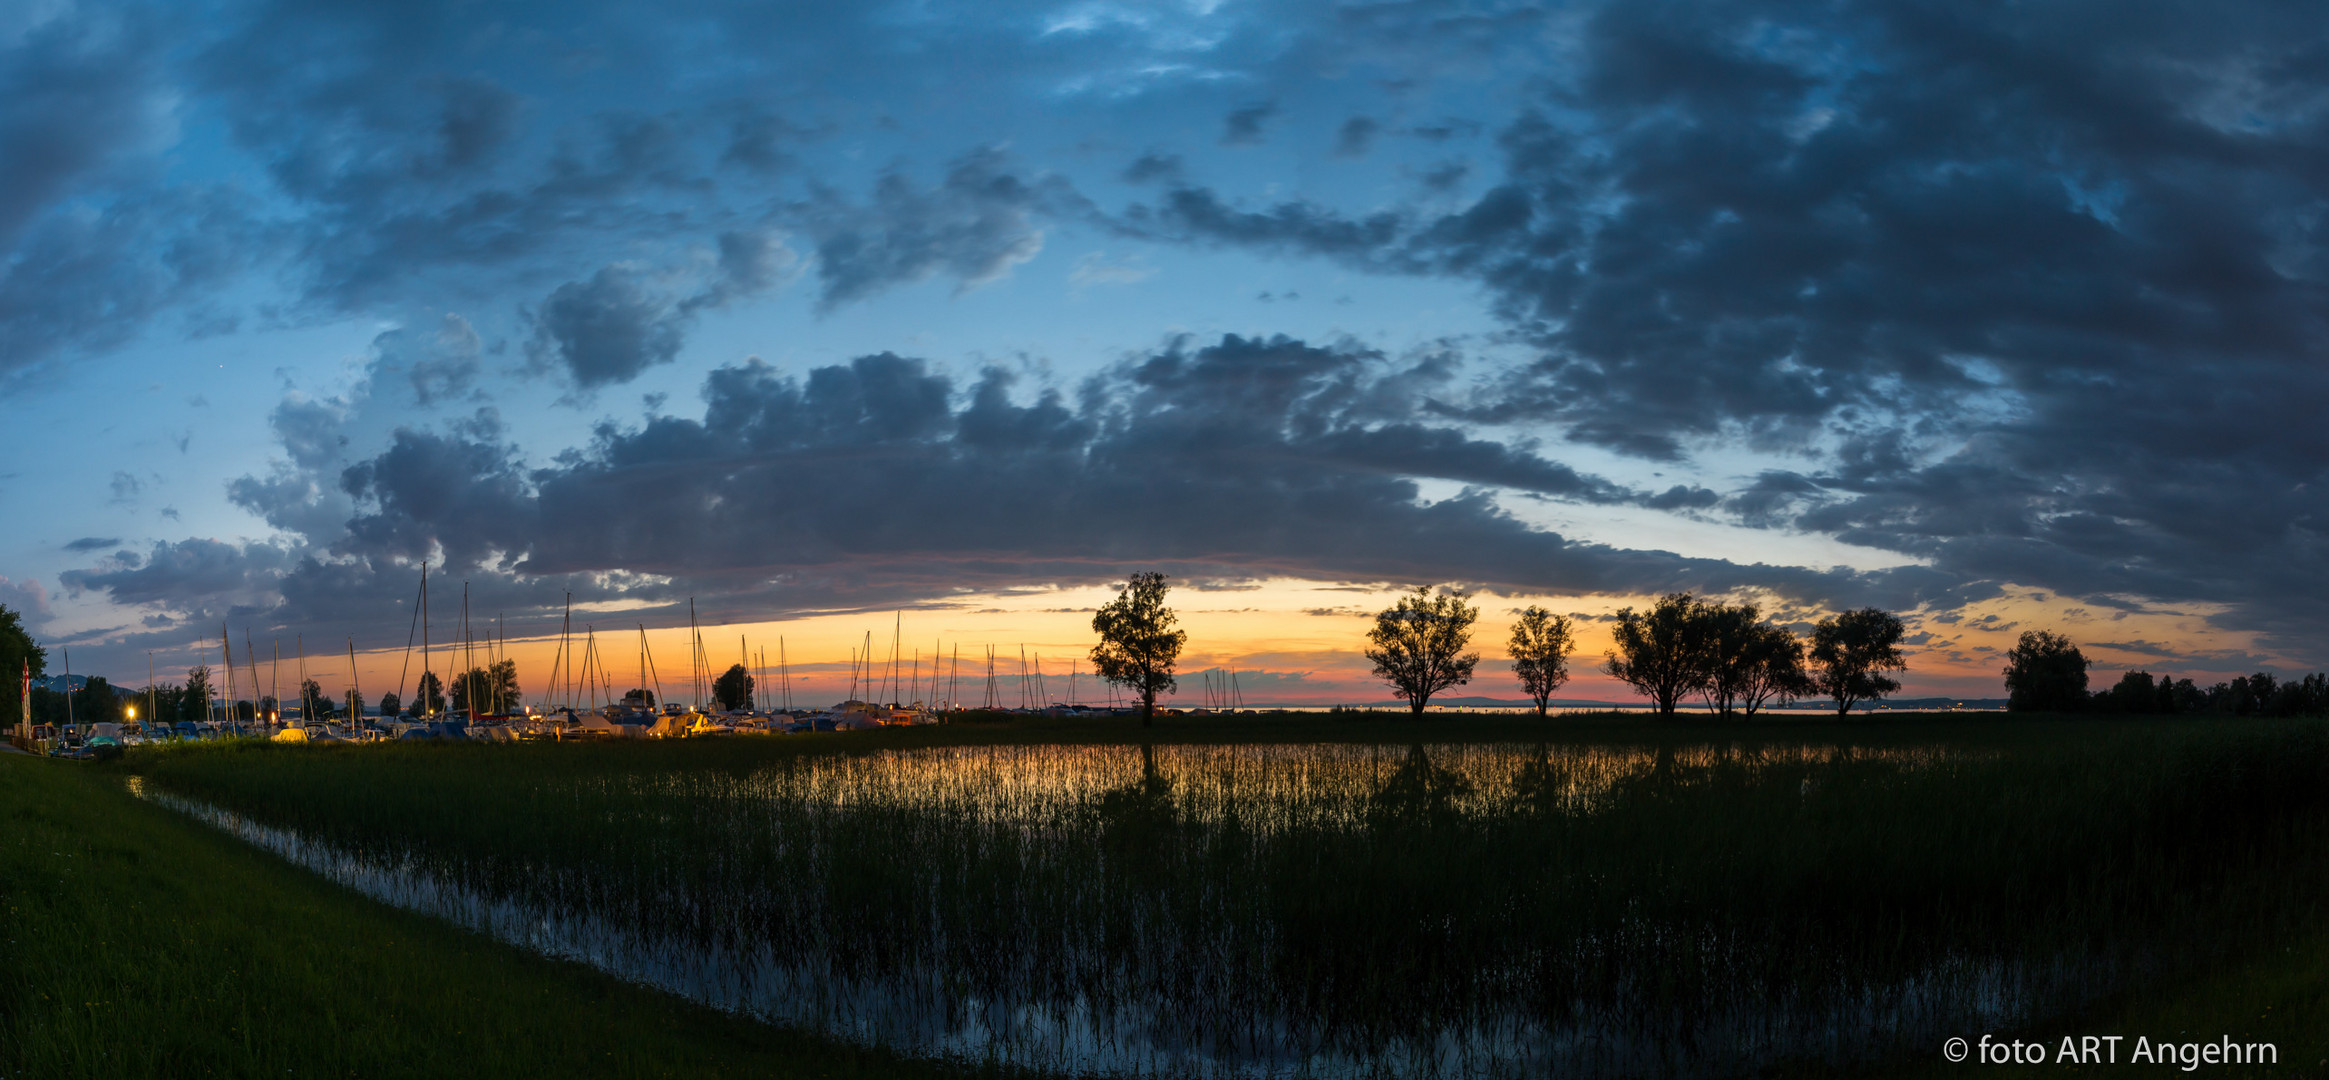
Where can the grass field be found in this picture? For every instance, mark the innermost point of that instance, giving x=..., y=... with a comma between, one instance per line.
x=2187, y=854
x=142, y=944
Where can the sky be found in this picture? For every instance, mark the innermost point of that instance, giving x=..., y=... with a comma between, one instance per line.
x=839, y=320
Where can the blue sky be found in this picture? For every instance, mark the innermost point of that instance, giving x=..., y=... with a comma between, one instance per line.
x=1998, y=317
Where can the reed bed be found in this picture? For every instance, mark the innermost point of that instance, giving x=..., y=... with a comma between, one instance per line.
x=1347, y=909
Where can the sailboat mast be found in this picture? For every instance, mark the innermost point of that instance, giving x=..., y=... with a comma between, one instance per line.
x=251, y=660
x=355, y=688
x=424, y=711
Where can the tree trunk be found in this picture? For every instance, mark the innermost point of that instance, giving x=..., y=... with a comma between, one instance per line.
x=1148, y=709
x=1415, y=705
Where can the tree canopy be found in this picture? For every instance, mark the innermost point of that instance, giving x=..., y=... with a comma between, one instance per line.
x=428, y=697
x=733, y=689
x=1850, y=653
x=2046, y=673
x=1138, y=643
x=1419, y=644
x=1540, y=647
x=1663, y=652
x=194, y=698
x=495, y=688
x=16, y=650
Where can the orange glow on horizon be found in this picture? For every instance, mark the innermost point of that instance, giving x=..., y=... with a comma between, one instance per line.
x=1289, y=641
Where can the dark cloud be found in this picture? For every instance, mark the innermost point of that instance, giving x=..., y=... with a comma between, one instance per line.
x=1356, y=136
x=2042, y=291
x=1153, y=167
x=1446, y=176
x=74, y=94
x=607, y=329
x=1239, y=459
x=88, y=277
x=93, y=543
x=459, y=498
x=198, y=573
x=974, y=226
x=1243, y=125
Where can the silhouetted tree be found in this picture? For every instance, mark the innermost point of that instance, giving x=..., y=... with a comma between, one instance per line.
x=97, y=702
x=313, y=705
x=1138, y=645
x=1661, y=653
x=1419, y=645
x=1771, y=669
x=17, y=650
x=390, y=705
x=1540, y=646
x=1729, y=632
x=2134, y=693
x=733, y=689
x=194, y=697
x=428, y=697
x=1850, y=652
x=2045, y=673
x=355, y=707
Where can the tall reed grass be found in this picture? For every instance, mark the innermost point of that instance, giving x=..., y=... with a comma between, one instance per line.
x=1660, y=908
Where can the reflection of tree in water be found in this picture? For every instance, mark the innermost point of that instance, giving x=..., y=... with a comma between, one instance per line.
x=1541, y=785
x=1419, y=792
x=1137, y=814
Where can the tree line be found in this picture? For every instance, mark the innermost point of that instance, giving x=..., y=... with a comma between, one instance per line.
x=2046, y=672
x=1681, y=647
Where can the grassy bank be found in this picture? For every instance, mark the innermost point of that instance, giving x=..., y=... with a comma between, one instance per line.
x=141, y=944
x=1677, y=870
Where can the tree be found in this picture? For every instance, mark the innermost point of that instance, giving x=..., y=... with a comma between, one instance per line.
x=2045, y=673
x=1662, y=653
x=1138, y=644
x=355, y=707
x=489, y=690
x=194, y=700
x=312, y=704
x=1772, y=668
x=428, y=697
x=1850, y=653
x=733, y=689
x=17, y=650
x=1729, y=632
x=1540, y=646
x=470, y=689
x=390, y=705
x=2133, y=693
x=1419, y=645
x=502, y=694
x=97, y=702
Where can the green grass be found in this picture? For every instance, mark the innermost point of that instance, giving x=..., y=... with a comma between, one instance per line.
x=140, y=943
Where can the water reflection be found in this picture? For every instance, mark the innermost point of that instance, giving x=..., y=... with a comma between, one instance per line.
x=1248, y=911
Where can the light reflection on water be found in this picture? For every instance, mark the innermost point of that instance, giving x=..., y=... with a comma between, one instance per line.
x=1193, y=994
x=1267, y=786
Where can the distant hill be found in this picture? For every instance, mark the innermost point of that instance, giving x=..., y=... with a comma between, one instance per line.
x=62, y=683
